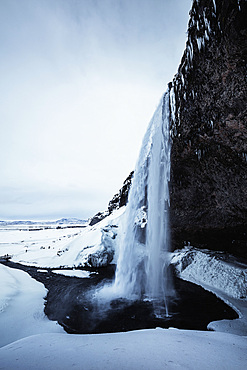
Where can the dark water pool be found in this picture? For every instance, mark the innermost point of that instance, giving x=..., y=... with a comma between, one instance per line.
x=69, y=301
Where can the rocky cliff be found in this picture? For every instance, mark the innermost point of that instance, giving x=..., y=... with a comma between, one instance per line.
x=208, y=187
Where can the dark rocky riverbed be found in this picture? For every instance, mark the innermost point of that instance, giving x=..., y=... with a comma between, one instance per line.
x=69, y=301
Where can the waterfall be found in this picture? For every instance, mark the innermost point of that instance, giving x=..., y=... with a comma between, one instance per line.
x=144, y=240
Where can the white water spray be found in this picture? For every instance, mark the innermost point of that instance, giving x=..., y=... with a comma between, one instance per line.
x=142, y=263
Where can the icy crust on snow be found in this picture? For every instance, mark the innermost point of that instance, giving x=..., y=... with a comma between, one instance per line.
x=22, y=307
x=214, y=269
x=91, y=246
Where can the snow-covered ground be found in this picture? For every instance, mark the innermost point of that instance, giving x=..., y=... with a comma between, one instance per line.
x=30, y=341
x=215, y=269
x=61, y=247
x=22, y=307
x=221, y=274
x=144, y=349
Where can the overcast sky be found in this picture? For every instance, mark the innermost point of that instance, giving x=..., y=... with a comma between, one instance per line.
x=80, y=80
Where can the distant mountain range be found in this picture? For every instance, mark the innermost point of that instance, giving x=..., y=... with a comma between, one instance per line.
x=62, y=221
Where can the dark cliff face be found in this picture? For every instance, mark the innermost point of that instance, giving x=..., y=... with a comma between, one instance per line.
x=208, y=187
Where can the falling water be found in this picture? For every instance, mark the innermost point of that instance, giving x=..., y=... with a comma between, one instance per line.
x=144, y=242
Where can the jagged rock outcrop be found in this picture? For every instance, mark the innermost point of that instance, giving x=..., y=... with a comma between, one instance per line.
x=208, y=188
x=120, y=199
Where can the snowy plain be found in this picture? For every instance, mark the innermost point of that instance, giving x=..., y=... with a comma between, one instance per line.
x=30, y=341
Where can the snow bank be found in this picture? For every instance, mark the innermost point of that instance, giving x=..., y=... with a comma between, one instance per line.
x=22, y=306
x=222, y=275
x=143, y=349
x=216, y=270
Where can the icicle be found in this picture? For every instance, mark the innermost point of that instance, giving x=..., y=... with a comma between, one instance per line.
x=173, y=104
x=214, y=6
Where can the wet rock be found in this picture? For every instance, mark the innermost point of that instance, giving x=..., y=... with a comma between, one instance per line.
x=208, y=187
